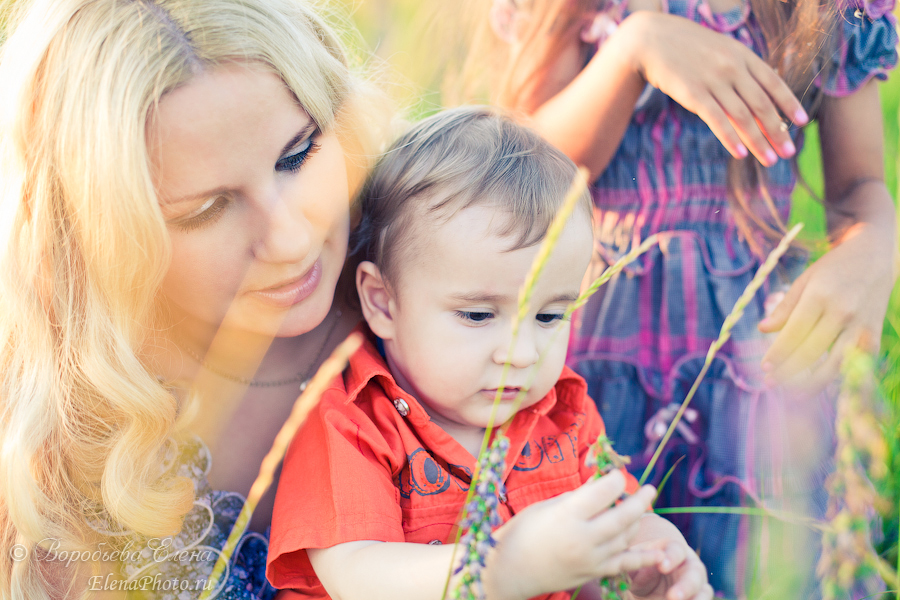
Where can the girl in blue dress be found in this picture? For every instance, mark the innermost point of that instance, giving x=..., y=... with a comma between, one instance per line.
x=665, y=101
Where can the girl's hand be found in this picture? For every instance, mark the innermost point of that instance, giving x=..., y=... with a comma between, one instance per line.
x=679, y=575
x=838, y=302
x=716, y=77
x=566, y=541
x=842, y=298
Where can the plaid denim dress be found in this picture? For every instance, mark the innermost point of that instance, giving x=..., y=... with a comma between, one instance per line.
x=641, y=340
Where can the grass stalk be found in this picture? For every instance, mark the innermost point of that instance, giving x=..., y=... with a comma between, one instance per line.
x=762, y=274
x=304, y=404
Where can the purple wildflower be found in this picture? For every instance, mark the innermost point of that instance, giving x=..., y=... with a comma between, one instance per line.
x=481, y=517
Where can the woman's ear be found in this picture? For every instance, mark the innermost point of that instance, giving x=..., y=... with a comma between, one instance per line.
x=375, y=299
x=502, y=19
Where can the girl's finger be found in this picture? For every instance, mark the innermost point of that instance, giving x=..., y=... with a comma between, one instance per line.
x=767, y=118
x=828, y=370
x=801, y=321
x=744, y=122
x=711, y=113
x=785, y=307
x=595, y=496
x=777, y=90
x=810, y=349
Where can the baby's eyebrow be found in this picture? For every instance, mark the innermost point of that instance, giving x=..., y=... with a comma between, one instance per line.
x=498, y=298
x=566, y=298
x=479, y=297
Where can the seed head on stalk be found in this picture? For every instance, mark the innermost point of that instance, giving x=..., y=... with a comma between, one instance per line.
x=847, y=555
x=481, y=496
x=762, y=274
x=302, y=407
x=475, y=547
x=606, y=460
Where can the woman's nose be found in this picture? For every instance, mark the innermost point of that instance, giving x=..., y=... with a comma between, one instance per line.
x=519, y=349
x=284, y=234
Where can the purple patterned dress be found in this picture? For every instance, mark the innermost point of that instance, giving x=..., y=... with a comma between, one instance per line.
x=178, y=567
x=642, y=339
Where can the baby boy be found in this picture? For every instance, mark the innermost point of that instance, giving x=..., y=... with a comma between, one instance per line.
x=375, y=481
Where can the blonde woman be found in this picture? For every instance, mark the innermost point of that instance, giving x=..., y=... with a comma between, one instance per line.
x=176, y=184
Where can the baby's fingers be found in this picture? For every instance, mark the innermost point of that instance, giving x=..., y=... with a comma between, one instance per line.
x=617, y=519
x=595, y=496
x=628, y=561
x=690, y=581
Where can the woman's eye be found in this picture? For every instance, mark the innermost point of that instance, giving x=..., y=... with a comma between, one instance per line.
x=210, y=211
x=474, y=316
x=292, y=163
x=549, y=317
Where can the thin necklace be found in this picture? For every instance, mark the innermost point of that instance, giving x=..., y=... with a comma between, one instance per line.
x=301, y=378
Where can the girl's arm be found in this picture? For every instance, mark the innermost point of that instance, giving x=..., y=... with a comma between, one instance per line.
x=842, y=298
x=585, y=112
x=553, y=545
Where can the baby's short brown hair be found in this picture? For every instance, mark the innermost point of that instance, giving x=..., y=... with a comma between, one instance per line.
x=453, y=160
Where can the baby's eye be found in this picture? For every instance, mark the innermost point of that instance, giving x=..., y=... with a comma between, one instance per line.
x=549, y=317
x=474, y=316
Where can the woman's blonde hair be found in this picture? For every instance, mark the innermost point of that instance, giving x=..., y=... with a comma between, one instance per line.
x=84, y=426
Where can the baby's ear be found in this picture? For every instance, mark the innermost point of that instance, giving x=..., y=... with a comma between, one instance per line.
x=375, y=299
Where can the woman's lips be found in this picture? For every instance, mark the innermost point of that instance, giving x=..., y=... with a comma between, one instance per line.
x=293, y=292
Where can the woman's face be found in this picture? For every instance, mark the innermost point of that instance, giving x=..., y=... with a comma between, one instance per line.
x=255, y=199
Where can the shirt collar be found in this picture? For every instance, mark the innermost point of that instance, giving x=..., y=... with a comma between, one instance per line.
x=368, y=366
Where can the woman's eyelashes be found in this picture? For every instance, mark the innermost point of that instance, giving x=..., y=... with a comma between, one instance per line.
x=208, y=213
x=293, y=162
x=214, y=207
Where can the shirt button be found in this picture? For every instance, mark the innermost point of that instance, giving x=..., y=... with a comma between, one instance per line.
x=435, y=543
x=502, y=498
x=401, y=406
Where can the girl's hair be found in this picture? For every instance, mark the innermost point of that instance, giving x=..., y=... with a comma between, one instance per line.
x=84, y=426
x=469, y=156
x=799, y=36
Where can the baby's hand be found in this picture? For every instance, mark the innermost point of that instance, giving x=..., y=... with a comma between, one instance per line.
x=679, y=574
x=564, y=542
x=716, y=77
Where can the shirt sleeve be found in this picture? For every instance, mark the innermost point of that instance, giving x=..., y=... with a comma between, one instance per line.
x=335, y=486
x=867, y=48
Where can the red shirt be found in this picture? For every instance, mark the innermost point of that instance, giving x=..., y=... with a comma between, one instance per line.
x=369, y=464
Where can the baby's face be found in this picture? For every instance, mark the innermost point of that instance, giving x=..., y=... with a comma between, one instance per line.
x=455, y=300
